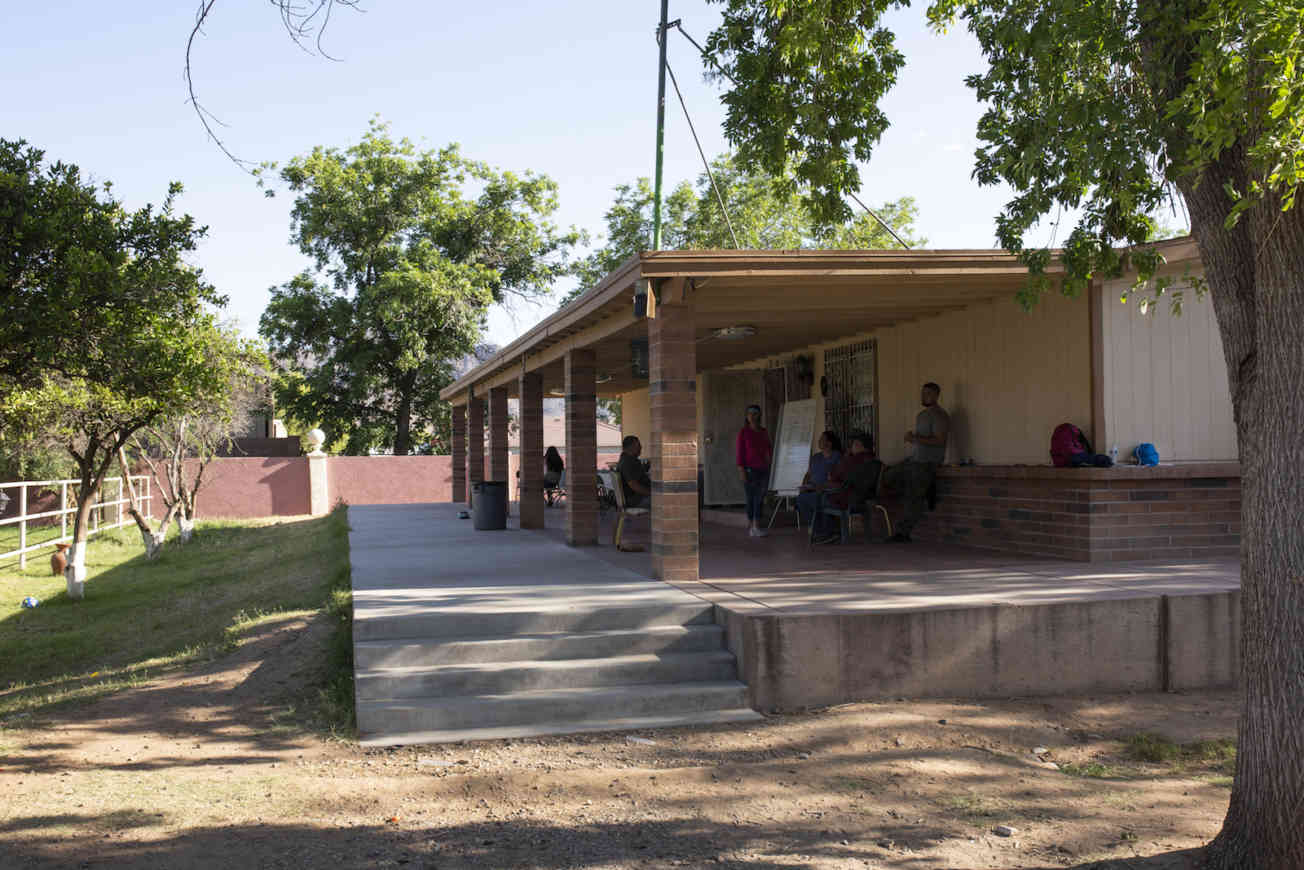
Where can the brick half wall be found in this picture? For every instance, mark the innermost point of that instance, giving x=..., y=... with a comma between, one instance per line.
x=1090, y=515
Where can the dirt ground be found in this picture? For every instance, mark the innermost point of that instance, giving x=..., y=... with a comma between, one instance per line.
x=201, y=770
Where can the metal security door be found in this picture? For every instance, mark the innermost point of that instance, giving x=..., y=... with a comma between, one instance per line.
x=725, y=397
x=851, y=372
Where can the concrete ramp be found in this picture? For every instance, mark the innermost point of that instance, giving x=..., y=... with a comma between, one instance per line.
x=466, y=635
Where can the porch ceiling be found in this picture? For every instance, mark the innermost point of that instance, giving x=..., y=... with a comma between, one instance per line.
x=794, y=299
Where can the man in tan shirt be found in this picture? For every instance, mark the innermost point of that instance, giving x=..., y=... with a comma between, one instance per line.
x=917, y=473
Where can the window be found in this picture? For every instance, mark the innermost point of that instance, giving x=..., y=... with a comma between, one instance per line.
x=851, y=373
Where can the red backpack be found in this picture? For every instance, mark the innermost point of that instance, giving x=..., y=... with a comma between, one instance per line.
x=1066, y=442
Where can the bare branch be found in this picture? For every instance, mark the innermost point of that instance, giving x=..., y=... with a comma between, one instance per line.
x=300, y=21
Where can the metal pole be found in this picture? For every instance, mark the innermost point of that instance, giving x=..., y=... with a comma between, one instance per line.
x=661, y=126
x=63, y=510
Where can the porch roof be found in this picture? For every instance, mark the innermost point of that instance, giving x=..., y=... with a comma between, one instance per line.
x=794, y=299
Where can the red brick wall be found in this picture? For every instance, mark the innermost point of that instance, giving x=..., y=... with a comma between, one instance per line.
x=389, y=479
x=1090, y=514
x=246, y=487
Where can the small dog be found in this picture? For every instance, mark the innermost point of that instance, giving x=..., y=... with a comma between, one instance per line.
x=59, y=561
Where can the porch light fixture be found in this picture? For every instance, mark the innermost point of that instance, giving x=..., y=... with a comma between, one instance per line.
x=733, y=333
x=602, y=378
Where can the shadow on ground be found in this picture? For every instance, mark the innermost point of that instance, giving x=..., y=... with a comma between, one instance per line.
x=686, y=842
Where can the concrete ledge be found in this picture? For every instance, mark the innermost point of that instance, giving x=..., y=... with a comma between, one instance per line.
x=1151, y=643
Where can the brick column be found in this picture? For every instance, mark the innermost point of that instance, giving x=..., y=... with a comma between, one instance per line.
x=531, y=507
x=671, y=372
x=460, y=491
x=581, y=449
x=498, y=437
x=474, y=444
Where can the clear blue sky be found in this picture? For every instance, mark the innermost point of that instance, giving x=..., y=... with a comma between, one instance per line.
x=565, y=88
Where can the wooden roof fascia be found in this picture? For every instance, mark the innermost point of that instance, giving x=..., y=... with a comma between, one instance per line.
x=585, y=306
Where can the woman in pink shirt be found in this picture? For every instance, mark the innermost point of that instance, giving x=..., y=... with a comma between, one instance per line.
x=754, y=454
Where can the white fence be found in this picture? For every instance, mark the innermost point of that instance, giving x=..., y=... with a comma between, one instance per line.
x=43, y=527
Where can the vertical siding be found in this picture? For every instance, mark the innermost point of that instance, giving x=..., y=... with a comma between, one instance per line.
x=1007, y=378
x=1165, y=380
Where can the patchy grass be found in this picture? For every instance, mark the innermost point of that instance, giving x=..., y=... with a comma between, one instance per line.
x=192, y=603
x=1180, y=757
x=1094, y=770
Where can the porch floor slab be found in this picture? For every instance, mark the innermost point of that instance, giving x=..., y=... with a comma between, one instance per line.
x=782, y=573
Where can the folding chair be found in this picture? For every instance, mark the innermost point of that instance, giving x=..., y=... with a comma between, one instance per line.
x=554, y=494
x=622, y=511
x=865, y=507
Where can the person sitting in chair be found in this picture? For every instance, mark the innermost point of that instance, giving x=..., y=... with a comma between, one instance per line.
x=817, y=474
x=633, y=476
x=553, y=466
x=853, y=480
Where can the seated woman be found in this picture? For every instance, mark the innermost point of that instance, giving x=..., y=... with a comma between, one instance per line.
x=821, y=463
x=552, y=468
x=853, y=480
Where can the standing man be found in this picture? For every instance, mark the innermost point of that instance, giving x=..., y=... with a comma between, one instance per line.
x=917, y=473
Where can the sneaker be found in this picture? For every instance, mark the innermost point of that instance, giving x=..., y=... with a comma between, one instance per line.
x=899, y=538
x=751, y=531
x=759, y=533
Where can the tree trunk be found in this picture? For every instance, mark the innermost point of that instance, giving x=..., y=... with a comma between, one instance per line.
x=1258, y=290
x=153, y=540
x=403, y=418
x=74, y=573
x=185, y=528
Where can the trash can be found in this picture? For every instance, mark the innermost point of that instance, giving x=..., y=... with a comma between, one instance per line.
x=489, y=500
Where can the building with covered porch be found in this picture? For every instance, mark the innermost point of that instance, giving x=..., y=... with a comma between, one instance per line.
x=688, y=338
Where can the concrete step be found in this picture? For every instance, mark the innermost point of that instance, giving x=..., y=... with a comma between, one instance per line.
x=545, y=708
x=372, y=654
x=456, y=735
x=501, y=678
x=453, y=622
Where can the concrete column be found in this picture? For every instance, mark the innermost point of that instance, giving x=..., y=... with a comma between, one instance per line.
x=498, y=426
x=672, y=391
x=531, y=507
x=474, y=444
x=318, y=486
x=459, y=454
x=581, y=448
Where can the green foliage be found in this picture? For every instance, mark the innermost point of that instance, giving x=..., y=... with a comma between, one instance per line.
x=407, y=263
x=89, y=290
x=1091, y=106
x=105, y=328
x=810, y=75
x=766, y=212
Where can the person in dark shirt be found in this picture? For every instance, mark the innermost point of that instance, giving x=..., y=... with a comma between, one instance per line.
x=633, y=476
x=553, y=466
x=853, y=480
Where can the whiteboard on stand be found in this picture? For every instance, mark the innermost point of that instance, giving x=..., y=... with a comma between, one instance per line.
x=793, y=449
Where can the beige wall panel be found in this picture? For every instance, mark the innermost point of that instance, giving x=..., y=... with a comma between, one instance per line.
x=636, y=414
x=1165, y=380
x=1008, y=378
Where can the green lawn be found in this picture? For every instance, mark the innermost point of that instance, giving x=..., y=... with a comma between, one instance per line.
x=193, y=602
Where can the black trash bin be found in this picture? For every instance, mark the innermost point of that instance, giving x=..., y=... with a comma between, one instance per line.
x=489, y=499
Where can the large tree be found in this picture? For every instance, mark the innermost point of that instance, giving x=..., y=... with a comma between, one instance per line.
x=1104, y=109
x=104, y=322
x=761, y=210
x=410, y=249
